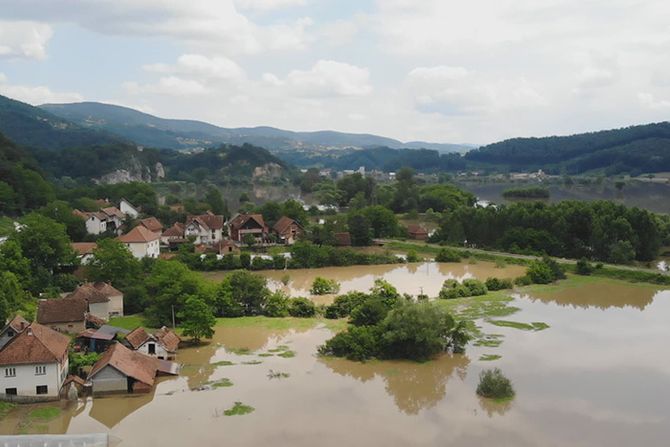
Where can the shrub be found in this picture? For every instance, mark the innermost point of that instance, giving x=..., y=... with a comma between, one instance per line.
x=448, y=255
x=475, y=287
x=356, y=343
x=523, y=281
x=324, y=286
x=369, y=313
x=412, y=256
x=493, y=384
x=344, y=304
x=245, y=260
x=584, y=267
x=453, y=289
x=301, y=308
x=277, y=305
x=545, y=271
x=498, y=284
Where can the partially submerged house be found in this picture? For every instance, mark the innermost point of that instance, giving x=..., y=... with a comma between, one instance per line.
x=288, y=230
x=34, y=364
x=162, y=344
x=343, y=239
x=99, y=340
x=244, y=224
x=15, y=326
x=123, y=370
x=141, y=242
x=204, y=229
x=104, y=300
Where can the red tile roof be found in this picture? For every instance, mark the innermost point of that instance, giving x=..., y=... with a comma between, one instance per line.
x=18, y=323
x=168, y=338
x=152, y=224
x=176, y=230
x=36, y=344
x=84, y=248
x=99, y=292
x=138, y=234
x=132, y=364
x=241, y=219
x=284, y=224
x=62, y=310
x=137, y=337
x=416, y=229
x=113, y=211
x=208, y=220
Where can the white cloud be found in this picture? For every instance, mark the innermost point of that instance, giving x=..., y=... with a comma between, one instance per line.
x=198, y=65
x=326, y=78
x=650, y=101
x=24, y=39
x=168, y=85
x=35, y=94
x=268, y=5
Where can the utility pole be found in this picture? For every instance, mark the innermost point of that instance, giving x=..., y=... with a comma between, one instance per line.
x=174, y=326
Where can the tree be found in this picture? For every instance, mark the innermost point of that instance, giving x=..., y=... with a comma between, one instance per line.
x=359, y=229
x=61, y=212
x=369, y=313
x=12, y=260
x=241, y=293
x=249, y=240
x=383, y=222
x=113, y=262
x=216, y=202
x=196, y=319
x=301, y=308
x=324, y=286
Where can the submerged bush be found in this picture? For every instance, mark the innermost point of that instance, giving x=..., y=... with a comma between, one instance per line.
x=448, y=255
x=493, y=384
x=344, y=304
x=301, y=307
x=470, y=287
x=494, y=284
x=324, y=286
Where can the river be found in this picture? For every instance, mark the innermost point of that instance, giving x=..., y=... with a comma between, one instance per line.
x=598, y=376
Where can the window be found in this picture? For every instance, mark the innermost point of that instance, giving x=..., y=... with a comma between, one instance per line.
x=152, y=348
x=10, y=372
x=10, y=391
x=42, y=389
x=40, y=370
x=10, y=333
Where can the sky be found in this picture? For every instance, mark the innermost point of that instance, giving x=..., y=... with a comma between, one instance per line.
x=432, y=70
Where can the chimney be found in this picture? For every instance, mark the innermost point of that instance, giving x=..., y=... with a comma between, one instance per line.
x=29, y=331
x=23, y=325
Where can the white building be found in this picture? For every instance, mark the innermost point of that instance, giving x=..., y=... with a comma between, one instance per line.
x=96, y=222
x=34, y=364
x=141, y=242
x=205, y=229
x=104, y=300
x=127, y=208
x=162, y=344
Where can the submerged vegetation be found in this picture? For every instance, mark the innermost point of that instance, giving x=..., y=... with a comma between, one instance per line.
x=494, y=385
x=239, y=409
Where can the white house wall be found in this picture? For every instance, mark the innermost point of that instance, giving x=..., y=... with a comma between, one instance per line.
x=26, y=381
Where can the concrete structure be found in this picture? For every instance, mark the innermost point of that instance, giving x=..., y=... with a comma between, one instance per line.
x=288, y=230
x=34, y=364
x=205, y=229
x=162, y=344
x=15, y=326
x=127, y=208
x=141, y=242
x=104, y=300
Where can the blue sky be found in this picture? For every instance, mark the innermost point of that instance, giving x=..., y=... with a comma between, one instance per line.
x=434, y=70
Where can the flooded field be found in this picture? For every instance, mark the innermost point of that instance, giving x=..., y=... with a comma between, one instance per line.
x=597, y=376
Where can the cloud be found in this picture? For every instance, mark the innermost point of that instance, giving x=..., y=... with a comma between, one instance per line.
x=24, y=39
x=215, y=24
x=168, y=85
x=650, y=101
x=268, y=5
x=198, y=65
x=35, y=94
x=326, y=78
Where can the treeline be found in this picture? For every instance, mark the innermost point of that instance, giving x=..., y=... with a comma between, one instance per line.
x=532, y=192
x=594, y=230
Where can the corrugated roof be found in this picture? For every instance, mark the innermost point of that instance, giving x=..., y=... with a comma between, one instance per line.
x=36, y=344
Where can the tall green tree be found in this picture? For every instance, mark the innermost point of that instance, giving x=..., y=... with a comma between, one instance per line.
x=196, y=319
x=113, y=262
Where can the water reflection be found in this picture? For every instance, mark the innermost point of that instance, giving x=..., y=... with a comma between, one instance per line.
x=111, y=410
x=599, y=294
x=413, y=386
x=493, y=408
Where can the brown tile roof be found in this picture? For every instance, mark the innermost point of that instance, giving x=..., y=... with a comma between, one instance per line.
x=139, y=234
x=84, y=248
x=113, y=211
x=79, y=213
x=132, y=364
x=242, y=219
x=74, y=379
x=95, y=321
x=99, y=292
x=137, y=337
x=209, y=220
x=416, y=229
x=343, y=239
x=18, y=323
x=62, y=310
x=36, y=344
x=168, y=338
x=176, y=230
x=102, y=202
x=284, y=224
x=152, y=224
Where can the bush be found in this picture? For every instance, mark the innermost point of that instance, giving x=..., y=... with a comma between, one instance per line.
x=545, y=271
x=584, y=267
x=369, y=313
x=245, y=260
x=277, y=305
x=470, y=287
x=475, y=287
x=344, y=304
x=324, y=286
x=448, y=255
x=494, y=284
x=301, y=308
x=493, y=384
x=523, y=281
x=356, y=343
x=412, y=256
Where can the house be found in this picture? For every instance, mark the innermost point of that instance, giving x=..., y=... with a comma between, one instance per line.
x=205, y=229
x=227, y=247
x=127, y=208
x=244, y=224
x=15, y=326
x=174, y=234
x=98, y=340
x=288, y=230
x=162, y=344
x=104, y=301
x=416, y=231
x=123, y=370
x=114, y=218
x=63, y=314
x=343, y=239
x=96, y=221
x=141, y=242
x=34, y=364
x=152, y=224
x=84, y=251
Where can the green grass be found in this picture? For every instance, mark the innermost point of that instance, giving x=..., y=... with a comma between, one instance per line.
x=285, y=323
x=534, y=326
x=287, y=354
x=252, y=362
x=129, y=322
x=489, y=340
x=223, y=363
x=239, y=351
x=265, y=354
x=221, y=383
x=45, y=413
x=239, y=409
x=6, y=407
x=489, y=357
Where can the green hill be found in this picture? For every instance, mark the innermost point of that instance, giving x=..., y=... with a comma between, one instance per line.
x=33, y=127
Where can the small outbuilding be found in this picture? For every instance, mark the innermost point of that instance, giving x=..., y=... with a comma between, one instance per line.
x=417, y=232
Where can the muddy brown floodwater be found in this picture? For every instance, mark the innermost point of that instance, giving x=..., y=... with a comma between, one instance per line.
x=598, y=376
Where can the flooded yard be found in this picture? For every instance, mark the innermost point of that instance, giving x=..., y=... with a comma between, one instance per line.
x=597, y=376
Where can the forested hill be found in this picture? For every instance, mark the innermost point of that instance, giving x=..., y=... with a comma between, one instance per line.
x=634, y=149
x=36, y=128
x=22, y=186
